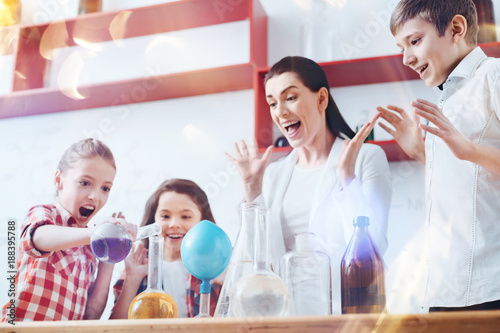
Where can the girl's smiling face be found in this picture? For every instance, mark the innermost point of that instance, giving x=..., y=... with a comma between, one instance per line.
x=83, y=189
x=176, y=213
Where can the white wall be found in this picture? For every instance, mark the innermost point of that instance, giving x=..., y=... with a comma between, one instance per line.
x=187, y=137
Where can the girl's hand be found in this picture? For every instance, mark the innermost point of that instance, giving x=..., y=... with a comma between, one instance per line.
x=136, y=263
x=350, y=151
x=406, y=132
x=119, y=218
x=251, y=167
x=460, y=146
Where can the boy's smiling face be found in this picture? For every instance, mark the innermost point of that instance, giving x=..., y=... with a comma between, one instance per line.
x=432, y=56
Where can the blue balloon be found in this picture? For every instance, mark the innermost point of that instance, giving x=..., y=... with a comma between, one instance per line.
x=206, y=251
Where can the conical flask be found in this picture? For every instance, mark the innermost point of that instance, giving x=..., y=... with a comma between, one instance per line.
x=261, y=292
x=242, y=257
x=154, y=302
x=362, y=273
x=307, y=274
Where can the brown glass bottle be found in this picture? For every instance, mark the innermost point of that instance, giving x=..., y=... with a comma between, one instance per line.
x=362, y=273
x=89, y=6
x=486, y=21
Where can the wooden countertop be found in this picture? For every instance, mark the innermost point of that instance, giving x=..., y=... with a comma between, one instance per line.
x=475, y=322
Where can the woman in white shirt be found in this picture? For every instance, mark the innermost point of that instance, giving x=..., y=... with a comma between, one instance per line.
x=330, y=176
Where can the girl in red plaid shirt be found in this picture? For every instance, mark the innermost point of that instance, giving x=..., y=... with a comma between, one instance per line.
x=56, y=269
x=177, y=205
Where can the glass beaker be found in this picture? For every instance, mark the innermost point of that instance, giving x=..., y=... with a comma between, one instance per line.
x=307, y=274
x=110, y=242
x=241, y=259
x=261, y=292
x=362, y=273
x=154, y=302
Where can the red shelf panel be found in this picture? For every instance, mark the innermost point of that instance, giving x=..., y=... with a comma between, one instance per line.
x=49, y=100
x=35, y=42
x=348, y=73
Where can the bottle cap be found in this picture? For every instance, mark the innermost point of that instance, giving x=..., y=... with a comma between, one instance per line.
x=361, y=221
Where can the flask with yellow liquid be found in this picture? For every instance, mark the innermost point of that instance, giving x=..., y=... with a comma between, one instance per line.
x=154, y=302
x=10, y=12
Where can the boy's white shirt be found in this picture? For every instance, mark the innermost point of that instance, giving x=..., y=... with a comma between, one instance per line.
x=462, y=198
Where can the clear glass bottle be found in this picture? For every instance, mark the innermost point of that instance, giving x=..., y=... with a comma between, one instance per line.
x=486, y=21
x=10, y=12
x=261, y=292
x=110, y=242
x=89, y=6
x=362, y=273
x=154, y=302
x=307, y=274
x=242, y=257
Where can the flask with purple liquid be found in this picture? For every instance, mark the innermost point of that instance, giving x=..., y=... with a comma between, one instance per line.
x=110, y=242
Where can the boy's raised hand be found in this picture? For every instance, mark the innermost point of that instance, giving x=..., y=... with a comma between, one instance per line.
x=459, y=145
x=406, y=132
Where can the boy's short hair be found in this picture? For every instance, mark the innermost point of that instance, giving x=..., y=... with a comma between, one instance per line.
x=438, y=12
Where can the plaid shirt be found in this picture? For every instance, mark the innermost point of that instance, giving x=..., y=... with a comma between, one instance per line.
x=192, y=293
x=51, y=285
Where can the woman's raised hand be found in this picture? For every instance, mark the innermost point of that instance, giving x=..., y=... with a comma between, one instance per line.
x=350, y=151
x=251, y=167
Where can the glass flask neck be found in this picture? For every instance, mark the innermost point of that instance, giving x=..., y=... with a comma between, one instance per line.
x=244, y=249
x=261, y=259
x=153, y=229
x=155, y=259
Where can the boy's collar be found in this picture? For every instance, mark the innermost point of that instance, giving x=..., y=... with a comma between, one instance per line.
x=466, y=67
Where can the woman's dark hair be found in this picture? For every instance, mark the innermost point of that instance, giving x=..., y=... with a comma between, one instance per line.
x=313, y=77
x=181, y=186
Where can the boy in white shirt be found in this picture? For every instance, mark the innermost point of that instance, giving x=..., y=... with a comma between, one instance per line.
x=461, y=152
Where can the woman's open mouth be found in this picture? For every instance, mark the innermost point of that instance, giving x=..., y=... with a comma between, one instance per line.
x=291, y=127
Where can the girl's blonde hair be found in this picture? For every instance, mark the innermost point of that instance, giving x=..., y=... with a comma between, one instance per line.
x=85, y=149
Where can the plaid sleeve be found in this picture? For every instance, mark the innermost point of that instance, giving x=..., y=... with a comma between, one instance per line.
x=37, y=216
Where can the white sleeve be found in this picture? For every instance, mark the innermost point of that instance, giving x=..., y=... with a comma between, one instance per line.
x=369, y=194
